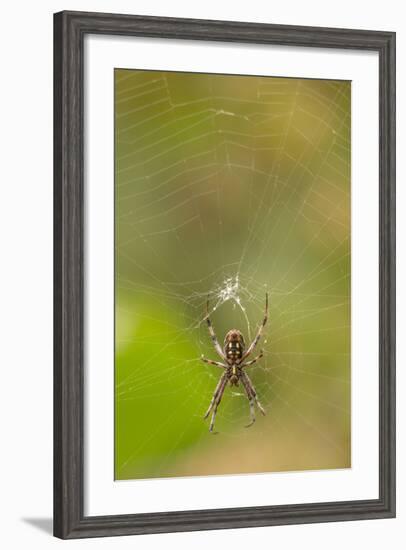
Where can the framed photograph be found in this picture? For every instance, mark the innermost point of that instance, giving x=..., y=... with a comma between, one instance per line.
x=224, y=274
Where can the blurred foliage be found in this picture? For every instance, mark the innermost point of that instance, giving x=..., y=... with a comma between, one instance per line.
x=220, y=177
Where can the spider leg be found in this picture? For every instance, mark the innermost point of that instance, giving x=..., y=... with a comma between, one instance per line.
x=257, y=358
x=259, y=333
x=251, y=400
x=220, y=395
x=252, y=396
x=210, y=362
x=216, y=391
x=215, y=402
x=213, y=334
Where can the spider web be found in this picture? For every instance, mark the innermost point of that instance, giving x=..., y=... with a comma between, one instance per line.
x=228, y=187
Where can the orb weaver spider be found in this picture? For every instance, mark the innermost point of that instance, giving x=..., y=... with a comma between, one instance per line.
x=234, y=358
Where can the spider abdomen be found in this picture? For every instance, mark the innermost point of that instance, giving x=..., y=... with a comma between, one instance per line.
x=233, y=351
x=233, y=346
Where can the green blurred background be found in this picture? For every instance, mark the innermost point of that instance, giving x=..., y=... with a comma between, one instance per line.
x=229, y=186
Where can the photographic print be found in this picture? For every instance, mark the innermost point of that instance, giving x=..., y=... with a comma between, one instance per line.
x=232, y=274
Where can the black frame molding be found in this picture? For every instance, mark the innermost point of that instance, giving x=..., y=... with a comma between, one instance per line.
x=69, y=31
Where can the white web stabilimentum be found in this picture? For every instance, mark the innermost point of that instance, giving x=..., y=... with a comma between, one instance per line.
x=230, y=290
x=260, y=178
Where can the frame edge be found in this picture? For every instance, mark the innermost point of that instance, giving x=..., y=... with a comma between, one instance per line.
x=68, y=283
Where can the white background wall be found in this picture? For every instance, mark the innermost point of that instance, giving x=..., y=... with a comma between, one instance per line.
x=26, y=271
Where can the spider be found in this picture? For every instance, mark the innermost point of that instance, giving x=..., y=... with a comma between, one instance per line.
x=234, y=358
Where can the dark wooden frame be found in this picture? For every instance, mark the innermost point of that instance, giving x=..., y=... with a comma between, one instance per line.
x=69, y=31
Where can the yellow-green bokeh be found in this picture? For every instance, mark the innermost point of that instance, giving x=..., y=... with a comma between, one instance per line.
x=222, y=177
